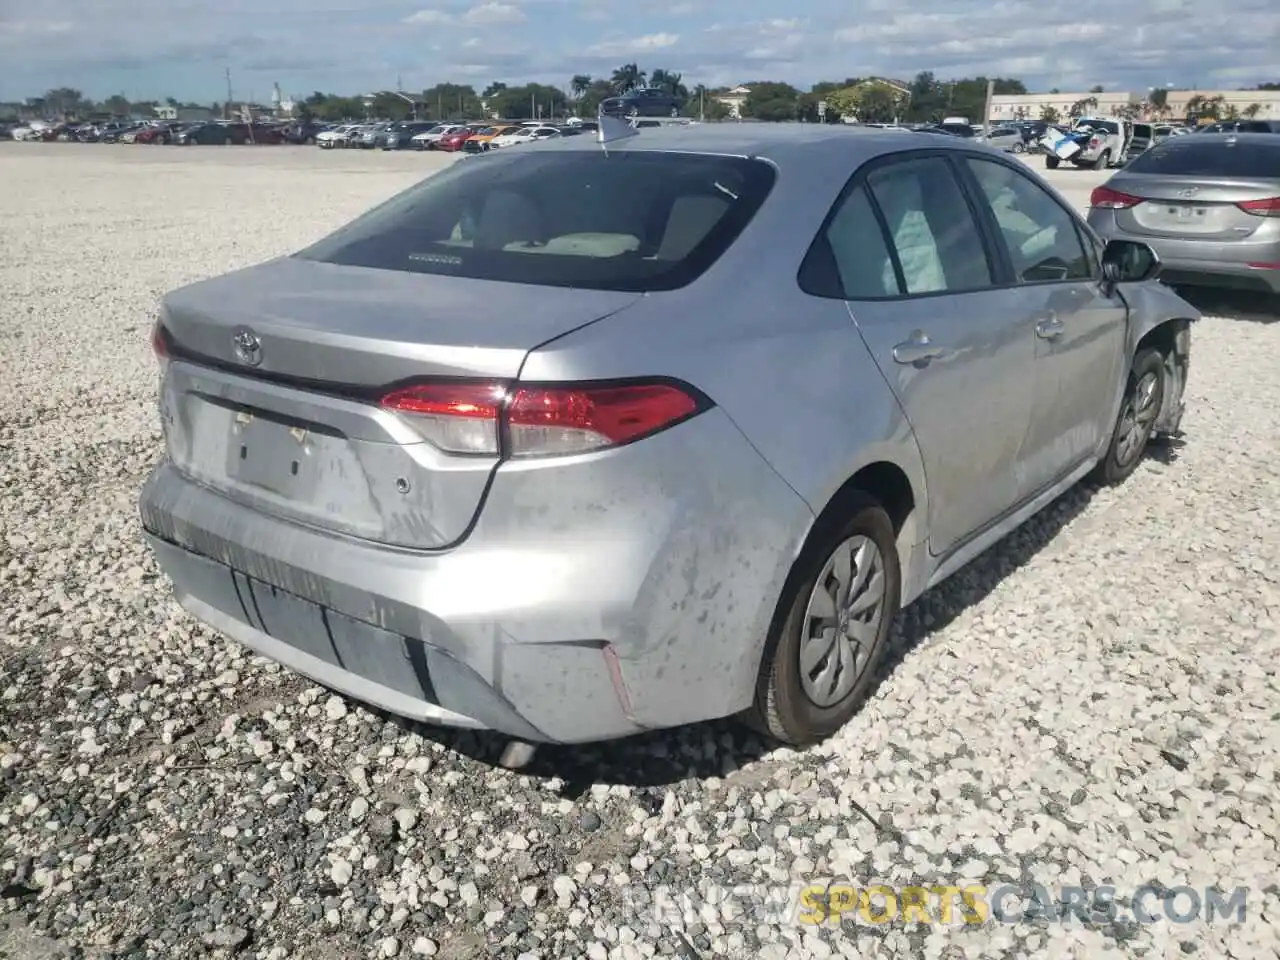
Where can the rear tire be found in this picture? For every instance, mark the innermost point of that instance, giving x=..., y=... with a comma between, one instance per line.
x=1103, y=161
x=1143, y=398
x=1051, y=163
x=826, y=596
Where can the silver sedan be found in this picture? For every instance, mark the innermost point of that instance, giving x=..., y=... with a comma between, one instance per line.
x=573, y=443
x=1209, y=205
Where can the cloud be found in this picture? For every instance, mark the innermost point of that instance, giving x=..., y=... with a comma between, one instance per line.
x=494, y=13
x=634, y=45
x=182, y=48
x=481, y=15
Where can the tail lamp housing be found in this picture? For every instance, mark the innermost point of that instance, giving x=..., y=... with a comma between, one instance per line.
x=1270, y=207
x=1104, y=198
x=535, y=420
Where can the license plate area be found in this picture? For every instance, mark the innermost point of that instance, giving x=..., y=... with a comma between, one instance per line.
x=271, y=455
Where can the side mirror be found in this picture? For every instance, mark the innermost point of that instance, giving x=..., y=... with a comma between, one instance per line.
x=1128, y=261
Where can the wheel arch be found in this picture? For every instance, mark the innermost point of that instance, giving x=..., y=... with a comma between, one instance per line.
x=899, y=488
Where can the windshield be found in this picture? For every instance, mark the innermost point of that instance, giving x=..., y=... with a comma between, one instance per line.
x=1218, y=156
x=626, y=221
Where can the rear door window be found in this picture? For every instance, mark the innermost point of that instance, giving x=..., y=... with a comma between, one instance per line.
x=935, y=238
x=634, y=221
x=1210, y=156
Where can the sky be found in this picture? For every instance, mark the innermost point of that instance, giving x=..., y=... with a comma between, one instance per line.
x=147, y=49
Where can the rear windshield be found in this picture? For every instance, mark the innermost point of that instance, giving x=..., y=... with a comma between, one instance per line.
x=633, y=221
x=1110, y=126
x=1210, y=156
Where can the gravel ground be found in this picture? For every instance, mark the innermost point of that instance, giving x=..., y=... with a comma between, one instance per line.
x=1095, y=701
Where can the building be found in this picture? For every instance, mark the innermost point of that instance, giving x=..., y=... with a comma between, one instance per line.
x=1262, y=104
x=167, y=111
x=1232, y=102
x=1007, y=107
x=734, y=99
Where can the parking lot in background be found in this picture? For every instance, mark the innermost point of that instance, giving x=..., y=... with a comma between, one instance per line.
x=1092, y=702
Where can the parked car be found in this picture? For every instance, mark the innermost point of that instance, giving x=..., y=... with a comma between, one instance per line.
x=335, y=136
x=1004, y=138
x=117, y=135
x=1147, y=135
x=480, y=139
x=303, y=134
x=430, y=139
x=523, y=134
x=642, y=102
x=205, y=134
x=452, y=142
x=156, y=133
x=372, y=136
x=526, y=448
x=1093, y=142
x=1209, y=205
x=399, y=136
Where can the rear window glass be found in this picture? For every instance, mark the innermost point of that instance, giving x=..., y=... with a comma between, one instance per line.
x=623, y=221
x=1210, y=156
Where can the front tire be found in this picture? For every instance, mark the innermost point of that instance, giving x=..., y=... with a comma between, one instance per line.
x=1139, y=408
x=832, y=627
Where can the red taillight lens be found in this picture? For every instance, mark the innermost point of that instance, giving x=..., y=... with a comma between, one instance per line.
x=1107, y=199
x=456, y=417
x=1269, y=207
x=470, y=418
x=545, y=421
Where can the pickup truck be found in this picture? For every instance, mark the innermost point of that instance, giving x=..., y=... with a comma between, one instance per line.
x=1091, y=142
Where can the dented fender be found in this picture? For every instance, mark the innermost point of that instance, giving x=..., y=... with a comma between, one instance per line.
x=1151, y=307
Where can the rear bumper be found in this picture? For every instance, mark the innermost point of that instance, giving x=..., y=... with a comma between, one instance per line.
x=561, y=618
x=1207, y=263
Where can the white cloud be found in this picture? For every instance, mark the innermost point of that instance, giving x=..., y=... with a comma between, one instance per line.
x=428, y=17
x=634, y=45
x=494, y=13
x=481, y=15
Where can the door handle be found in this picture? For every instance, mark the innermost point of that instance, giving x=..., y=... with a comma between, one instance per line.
x=1050, y=328
x=918, y=349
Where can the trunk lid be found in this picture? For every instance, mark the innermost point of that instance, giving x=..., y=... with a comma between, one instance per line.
x=1190, y=208
x=300, y=434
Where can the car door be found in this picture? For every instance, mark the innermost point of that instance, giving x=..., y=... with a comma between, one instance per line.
x=919, y=282
x=1079, y=331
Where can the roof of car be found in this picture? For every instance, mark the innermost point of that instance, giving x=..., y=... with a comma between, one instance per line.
x=778, y=142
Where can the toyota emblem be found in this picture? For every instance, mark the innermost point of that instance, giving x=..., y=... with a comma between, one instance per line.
x=247, y=346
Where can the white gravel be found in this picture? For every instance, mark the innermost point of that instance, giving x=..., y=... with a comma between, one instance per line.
x=1094, y=702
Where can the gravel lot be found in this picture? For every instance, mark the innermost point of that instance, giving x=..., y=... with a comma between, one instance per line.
x=1095, y=701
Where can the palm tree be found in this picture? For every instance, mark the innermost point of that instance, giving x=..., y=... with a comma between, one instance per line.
x=627, y=77
x=669, y=83
x=579, y=85
x=1252, y=110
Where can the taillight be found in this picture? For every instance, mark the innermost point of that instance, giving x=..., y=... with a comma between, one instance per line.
x=1107, y=199
x=1269, y=207
x=539, y=421
x=1095, y=142
x=544, y=421
x=456, y=417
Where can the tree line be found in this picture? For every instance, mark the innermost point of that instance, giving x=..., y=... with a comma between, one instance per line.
x=871, y=99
